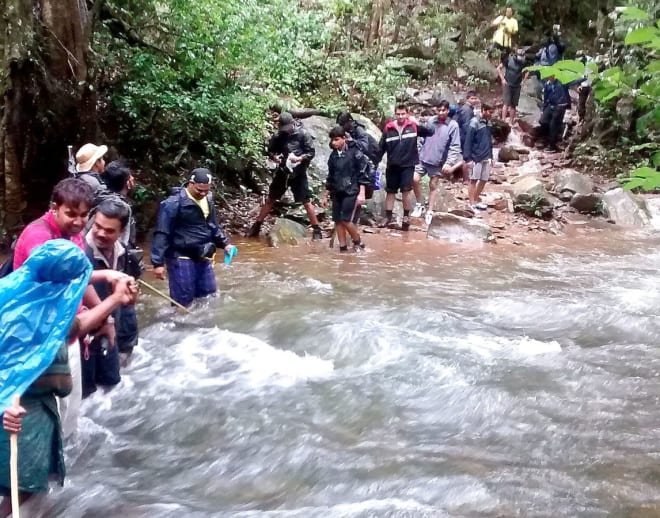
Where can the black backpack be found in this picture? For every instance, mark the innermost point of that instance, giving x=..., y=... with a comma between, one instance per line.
x=373, y=147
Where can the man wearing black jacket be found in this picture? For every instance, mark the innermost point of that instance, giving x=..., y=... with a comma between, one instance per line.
x=186, y=238
x=293, y=150
x=349, y=173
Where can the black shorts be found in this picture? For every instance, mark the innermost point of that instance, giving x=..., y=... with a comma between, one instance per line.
x=399, y=178
x=297, y=181
x=511, y=95
x=343, y=209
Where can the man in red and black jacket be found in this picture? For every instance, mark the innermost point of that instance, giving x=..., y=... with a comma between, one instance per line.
x=399, y=141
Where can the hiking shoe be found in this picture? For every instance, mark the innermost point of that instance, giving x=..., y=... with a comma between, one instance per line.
x=429, y=217
x=481, y=206
x=255, y=229
x=417, y=211
x=316, y=234
x=405, y=224
x=358, y=247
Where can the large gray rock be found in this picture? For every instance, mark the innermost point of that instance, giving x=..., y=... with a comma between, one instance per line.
x=528, y=113
x=528, y=186
x=286, y=232
x=443, y=92
x=572, y=181
x=478, y=65
x=319, y=127
x=625, y=209
x=507, y=154
x=532, y=87
x=458, y=229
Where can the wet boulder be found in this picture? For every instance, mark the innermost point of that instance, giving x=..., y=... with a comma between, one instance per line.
x=319, y=127
x=532, y=87
x=442, y=92
x=457, y=229
x=625, y=209
x=507, y=154
x=286, y=232
x=528, y=113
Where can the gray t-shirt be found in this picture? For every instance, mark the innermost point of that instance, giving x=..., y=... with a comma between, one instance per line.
x=514, y=71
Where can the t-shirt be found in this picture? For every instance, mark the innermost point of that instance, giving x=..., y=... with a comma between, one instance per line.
x=514, y=71
x=203, y=203
x=37, y=233
x=506, y=27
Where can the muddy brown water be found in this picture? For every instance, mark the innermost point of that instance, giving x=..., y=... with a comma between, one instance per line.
x=416, y=380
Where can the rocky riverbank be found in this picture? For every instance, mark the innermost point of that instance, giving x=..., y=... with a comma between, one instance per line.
x=531, y=192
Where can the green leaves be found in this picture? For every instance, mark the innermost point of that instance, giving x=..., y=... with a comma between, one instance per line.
x=643, y=36
x=567, y=71
x=645, y=178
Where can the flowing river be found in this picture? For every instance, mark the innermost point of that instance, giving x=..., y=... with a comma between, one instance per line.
x=415, y=380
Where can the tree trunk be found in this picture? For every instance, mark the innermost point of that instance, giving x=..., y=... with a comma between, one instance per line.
x=43, y=81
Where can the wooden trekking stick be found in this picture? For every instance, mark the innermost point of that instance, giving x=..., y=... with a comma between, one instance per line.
x=165, y=296
x=13, y=467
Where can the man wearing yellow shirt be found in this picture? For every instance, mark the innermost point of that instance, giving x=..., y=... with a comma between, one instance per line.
x=186, y=238
x=506, y=29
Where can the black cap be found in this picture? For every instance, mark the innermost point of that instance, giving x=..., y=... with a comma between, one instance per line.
x=285, y=119
x=344, y=117
x=200, y=175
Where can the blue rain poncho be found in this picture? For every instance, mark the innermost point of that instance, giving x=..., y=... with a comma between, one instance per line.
x=38, y=303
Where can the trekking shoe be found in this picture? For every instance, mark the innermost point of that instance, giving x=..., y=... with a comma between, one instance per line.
x=358, y=247
x=417, y=211
x=343, y=249
x=429, y=217
x=481, y=206
x=254, y=229
x=316, y=234
x=405, y=224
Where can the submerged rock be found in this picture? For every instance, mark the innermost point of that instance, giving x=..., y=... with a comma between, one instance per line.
x=286, y=232
x=458, y=229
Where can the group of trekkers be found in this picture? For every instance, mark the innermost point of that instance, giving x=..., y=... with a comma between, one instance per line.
x=437, y=145
x=91, y=209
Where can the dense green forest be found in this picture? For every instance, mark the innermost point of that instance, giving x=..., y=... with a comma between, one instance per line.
x=173, y=83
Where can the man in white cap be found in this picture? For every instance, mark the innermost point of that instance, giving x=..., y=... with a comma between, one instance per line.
x=90, y=164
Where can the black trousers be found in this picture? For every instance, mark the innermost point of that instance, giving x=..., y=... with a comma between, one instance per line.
x=552, y=121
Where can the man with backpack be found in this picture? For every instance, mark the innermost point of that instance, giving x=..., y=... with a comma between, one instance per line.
x=399, y=141
x=293, y=149
x=90, y=164
x=349, y=174
x=186, y=238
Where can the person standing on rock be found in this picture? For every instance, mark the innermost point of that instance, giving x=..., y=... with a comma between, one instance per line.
x=556, y=100
x=478, y=152
x=349, y=174
x=511, y=76
x=440, y=154
x=463, y=116
x=506, y=28
x=186, y=238
x=399, y=141
x=293, y=149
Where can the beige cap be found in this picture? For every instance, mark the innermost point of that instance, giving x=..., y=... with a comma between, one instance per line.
x=87, y=156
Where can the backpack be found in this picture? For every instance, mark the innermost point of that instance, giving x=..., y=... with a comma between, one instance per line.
x=373, y=147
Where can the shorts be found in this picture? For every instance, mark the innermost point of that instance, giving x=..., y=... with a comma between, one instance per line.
x=481, y=171
x=297, y=181
x=344, y=209
x=511, y=95
x=431, y=170
x=399, y=178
